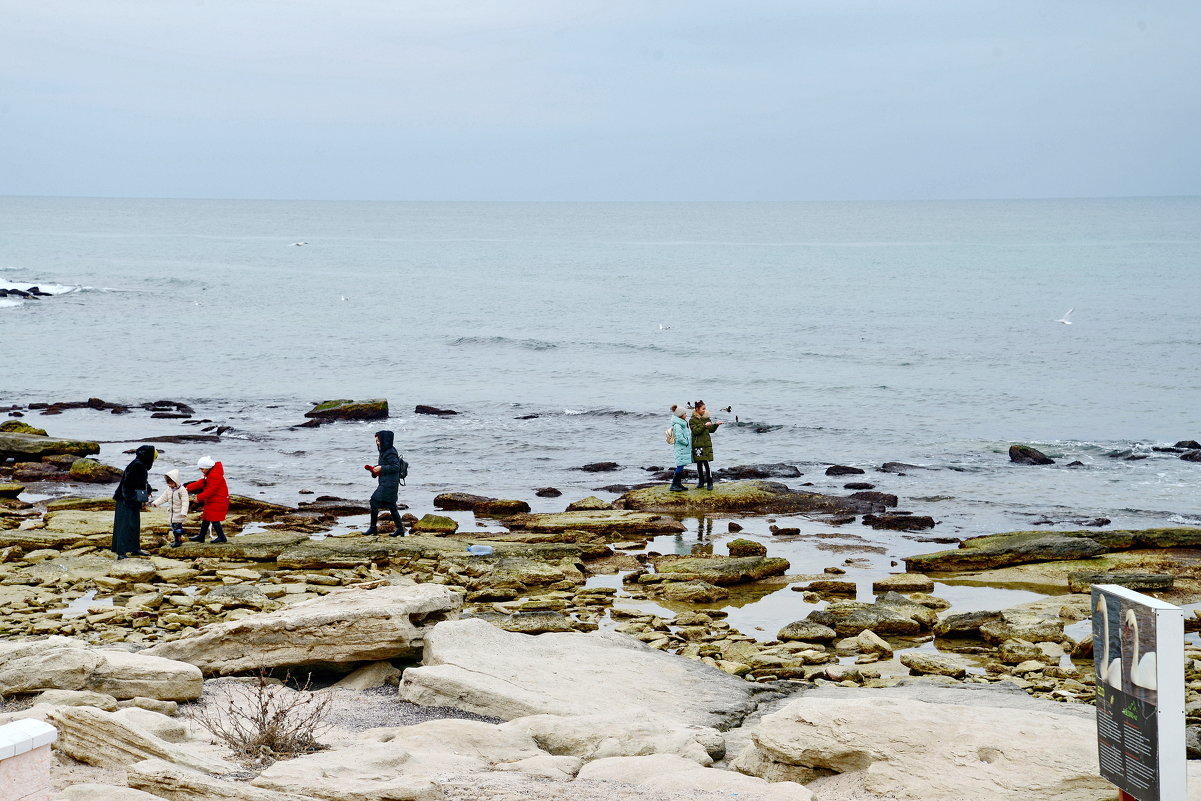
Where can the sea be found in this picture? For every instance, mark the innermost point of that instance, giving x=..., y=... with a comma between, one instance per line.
x=849, y=333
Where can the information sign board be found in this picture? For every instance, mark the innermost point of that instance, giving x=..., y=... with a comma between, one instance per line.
x=1138, y=656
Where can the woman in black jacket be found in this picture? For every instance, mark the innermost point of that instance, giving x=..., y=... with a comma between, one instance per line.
x=388, y=473
x=127, y=521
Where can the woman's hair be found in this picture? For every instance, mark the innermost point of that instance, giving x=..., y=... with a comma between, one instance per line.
x=696, y=406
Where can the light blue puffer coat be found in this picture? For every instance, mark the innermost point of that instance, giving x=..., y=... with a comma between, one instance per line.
x=683, y=446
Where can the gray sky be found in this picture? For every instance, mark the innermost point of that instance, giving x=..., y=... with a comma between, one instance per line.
x=600, y=100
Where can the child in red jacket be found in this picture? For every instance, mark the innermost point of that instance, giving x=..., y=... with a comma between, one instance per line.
x=212, y=491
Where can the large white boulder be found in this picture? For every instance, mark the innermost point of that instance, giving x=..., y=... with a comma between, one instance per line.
x=63, y=663
x=679, y=775
x=592, y=737
x=348, y=625
x=472, y=665
x=906, y=748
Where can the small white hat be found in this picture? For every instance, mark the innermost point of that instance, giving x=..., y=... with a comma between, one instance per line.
x=205, y=462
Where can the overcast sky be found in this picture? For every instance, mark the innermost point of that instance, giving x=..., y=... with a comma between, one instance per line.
x=600, y=100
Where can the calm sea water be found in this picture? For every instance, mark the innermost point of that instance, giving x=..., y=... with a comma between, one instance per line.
x=869, y=332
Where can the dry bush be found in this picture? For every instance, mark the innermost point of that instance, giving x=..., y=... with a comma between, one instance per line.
x=262, y=721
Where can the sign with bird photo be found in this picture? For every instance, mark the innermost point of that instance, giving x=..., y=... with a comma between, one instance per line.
x=1138, y=655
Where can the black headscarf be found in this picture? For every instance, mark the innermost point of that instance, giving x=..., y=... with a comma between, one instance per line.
x=137, y=474
x=386, y=438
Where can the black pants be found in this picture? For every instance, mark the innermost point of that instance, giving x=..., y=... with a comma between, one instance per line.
x=704, y=473
x=218, y=529
x=390, y=506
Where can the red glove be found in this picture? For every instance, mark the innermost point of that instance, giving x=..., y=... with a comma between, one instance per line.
x=370, y=468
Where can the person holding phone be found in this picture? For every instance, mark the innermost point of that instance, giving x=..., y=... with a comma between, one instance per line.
x=131, y=494
x=702, y=443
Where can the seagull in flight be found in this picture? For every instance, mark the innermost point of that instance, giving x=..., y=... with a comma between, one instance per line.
x=664, y=327
x=299, y=244
x=1066, y=315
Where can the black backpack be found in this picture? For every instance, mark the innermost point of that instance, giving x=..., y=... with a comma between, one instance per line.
x=404, y=469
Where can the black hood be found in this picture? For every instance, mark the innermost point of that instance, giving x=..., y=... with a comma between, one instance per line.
x=385, y=439
x=145, y=454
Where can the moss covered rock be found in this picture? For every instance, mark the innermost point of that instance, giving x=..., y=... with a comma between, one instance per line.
x=11, y=490
x=94, y=472
x=608, y=522
x=1026, y=547
x=725, y=571
x=23, y=447
x=344, y=409
x=480, y=504
x=758, y=497
x=19, y=427
x=438, y=525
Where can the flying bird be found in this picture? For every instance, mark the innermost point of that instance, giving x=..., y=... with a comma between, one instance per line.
x=664, y=326
x=1066, y=315
x=299, y=244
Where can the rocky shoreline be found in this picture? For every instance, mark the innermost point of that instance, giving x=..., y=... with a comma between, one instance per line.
x=640, y=680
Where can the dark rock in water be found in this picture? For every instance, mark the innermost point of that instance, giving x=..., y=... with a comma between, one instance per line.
x=899, y=468
x=899, y=522
x=859, y=485
x=479, y=504
x=33, y=446
x=843, y=470
x=882, y=498
x=167, y=406
x=600, y=467
x=1161, y=449
x=550, y=492
x=745, y=471
x=733, y=527
x=1119, y=454
x=1082, y=581
x=38, y=471
x=936, y=540
x=1076, y=463
x=169, y=416
x=836, y=520
x=623, y=488
x=783, y=532
x=832, y=587
x=1135, y=457
x=181, y=439
x=1189, y=445
x=528, y=417
x=337, y=507
x=422, y=409
x=1024, y=454
x=1098, y=522
x=1192, y=456
x=314, y=423
x=345, y=409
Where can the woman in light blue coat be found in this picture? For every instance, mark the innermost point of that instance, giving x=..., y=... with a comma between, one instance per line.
x=683, y=446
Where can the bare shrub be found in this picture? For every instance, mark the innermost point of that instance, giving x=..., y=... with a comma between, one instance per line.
x=263, y=722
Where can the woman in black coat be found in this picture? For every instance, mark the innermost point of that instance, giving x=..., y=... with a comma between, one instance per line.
x=388, y=473
x=127, y=522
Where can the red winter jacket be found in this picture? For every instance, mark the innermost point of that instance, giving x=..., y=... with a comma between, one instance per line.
x=213, y=493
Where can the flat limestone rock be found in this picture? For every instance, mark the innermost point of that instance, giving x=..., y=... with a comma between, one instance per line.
x=31, y=447
x=1026, y=547
x=165, y=779
x=348, y=625
x=597, y=521
x=64, y=663
x=473, y=665
x=108, y=740
x=599, y=736
x=263, y=546
x=334, y=552
x=913, y=750
x=668, y=772
x=755, y=496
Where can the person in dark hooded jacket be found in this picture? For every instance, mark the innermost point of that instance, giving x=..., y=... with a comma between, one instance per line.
x=388, y=473
x=127, y=521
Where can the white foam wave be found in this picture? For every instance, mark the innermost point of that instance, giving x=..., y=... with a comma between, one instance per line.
x=4, y=302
